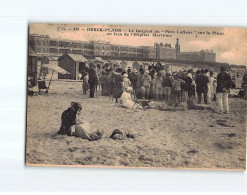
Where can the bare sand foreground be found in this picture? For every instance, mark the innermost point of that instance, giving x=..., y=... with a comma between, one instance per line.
x=164, y=139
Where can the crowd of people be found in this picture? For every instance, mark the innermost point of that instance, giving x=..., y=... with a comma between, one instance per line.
x=159, y=83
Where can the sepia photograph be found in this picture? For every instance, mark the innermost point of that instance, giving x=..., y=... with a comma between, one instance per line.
x=136, y=96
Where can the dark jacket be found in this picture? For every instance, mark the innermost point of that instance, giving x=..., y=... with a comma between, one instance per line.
x=117, y=85
x=202, y=84
x=133, y=79
x=93, y=79
x=224, y=82
x=68, y=119
x=188, y=82
x=168, y=81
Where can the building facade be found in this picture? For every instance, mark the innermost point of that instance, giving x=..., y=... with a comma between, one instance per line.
x=203, y=55
x=164, y=51
x=43, y=45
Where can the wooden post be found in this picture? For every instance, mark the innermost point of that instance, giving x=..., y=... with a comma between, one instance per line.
x=49, y=82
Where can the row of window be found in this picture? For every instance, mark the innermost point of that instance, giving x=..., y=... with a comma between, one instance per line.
x=42, y=50
x=112, y=53
x=86, y=46
x=79, y=52
x=42, y=42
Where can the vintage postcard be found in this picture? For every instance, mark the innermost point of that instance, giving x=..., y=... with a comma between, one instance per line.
x=167, y=97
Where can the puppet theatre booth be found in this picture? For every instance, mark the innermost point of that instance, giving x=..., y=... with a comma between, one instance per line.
x=72, y=63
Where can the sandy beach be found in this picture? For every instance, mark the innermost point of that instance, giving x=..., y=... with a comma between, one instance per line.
x=163, y=139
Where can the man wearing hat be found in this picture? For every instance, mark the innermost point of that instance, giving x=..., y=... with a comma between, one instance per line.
x=92, y=79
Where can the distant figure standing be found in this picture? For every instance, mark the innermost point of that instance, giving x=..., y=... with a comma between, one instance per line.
x=141, y=69
x=223, y=89
x=158, y=85
x=177, y=89
x=117, y=88
x=139, y=81
x=85, y=85
x=201, y=86
x=168, y=82
x=133, y=79
x=151, y=73
x=126, y=81
x=214, y=89
x=104, y=83
x=146, y=81
x=93, y=79
x=210, y=87
x=188, y=85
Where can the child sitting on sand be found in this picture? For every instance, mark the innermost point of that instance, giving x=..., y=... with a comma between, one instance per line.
x=126, y=99
x=74, y=127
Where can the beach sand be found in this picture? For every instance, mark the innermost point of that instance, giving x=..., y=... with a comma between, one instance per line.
x=199, y=139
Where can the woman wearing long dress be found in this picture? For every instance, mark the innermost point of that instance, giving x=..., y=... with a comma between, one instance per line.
x=117, y=86
x=72, y=126
x=210, y=87
x=139, y=82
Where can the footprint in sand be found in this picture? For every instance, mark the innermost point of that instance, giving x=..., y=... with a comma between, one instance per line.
x=223, y=147
x=73, y=149
x=192, y=151
x=232, y=135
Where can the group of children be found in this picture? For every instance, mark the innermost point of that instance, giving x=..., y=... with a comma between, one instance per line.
x=177, y=86
x=157, y=83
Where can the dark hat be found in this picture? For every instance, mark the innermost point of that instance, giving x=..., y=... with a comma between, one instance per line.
x=198, y=72
x=119, y=70
x=222, y=69
x=76, y=106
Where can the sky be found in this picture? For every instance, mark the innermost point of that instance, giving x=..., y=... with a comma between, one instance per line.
x=230, y=44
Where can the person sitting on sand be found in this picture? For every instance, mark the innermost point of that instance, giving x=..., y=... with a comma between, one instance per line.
x=126, y=99
x=72, y=126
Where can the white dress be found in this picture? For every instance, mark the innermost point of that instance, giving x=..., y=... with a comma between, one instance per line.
x=210, y=87
x=82, y=130
x=127, y=101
